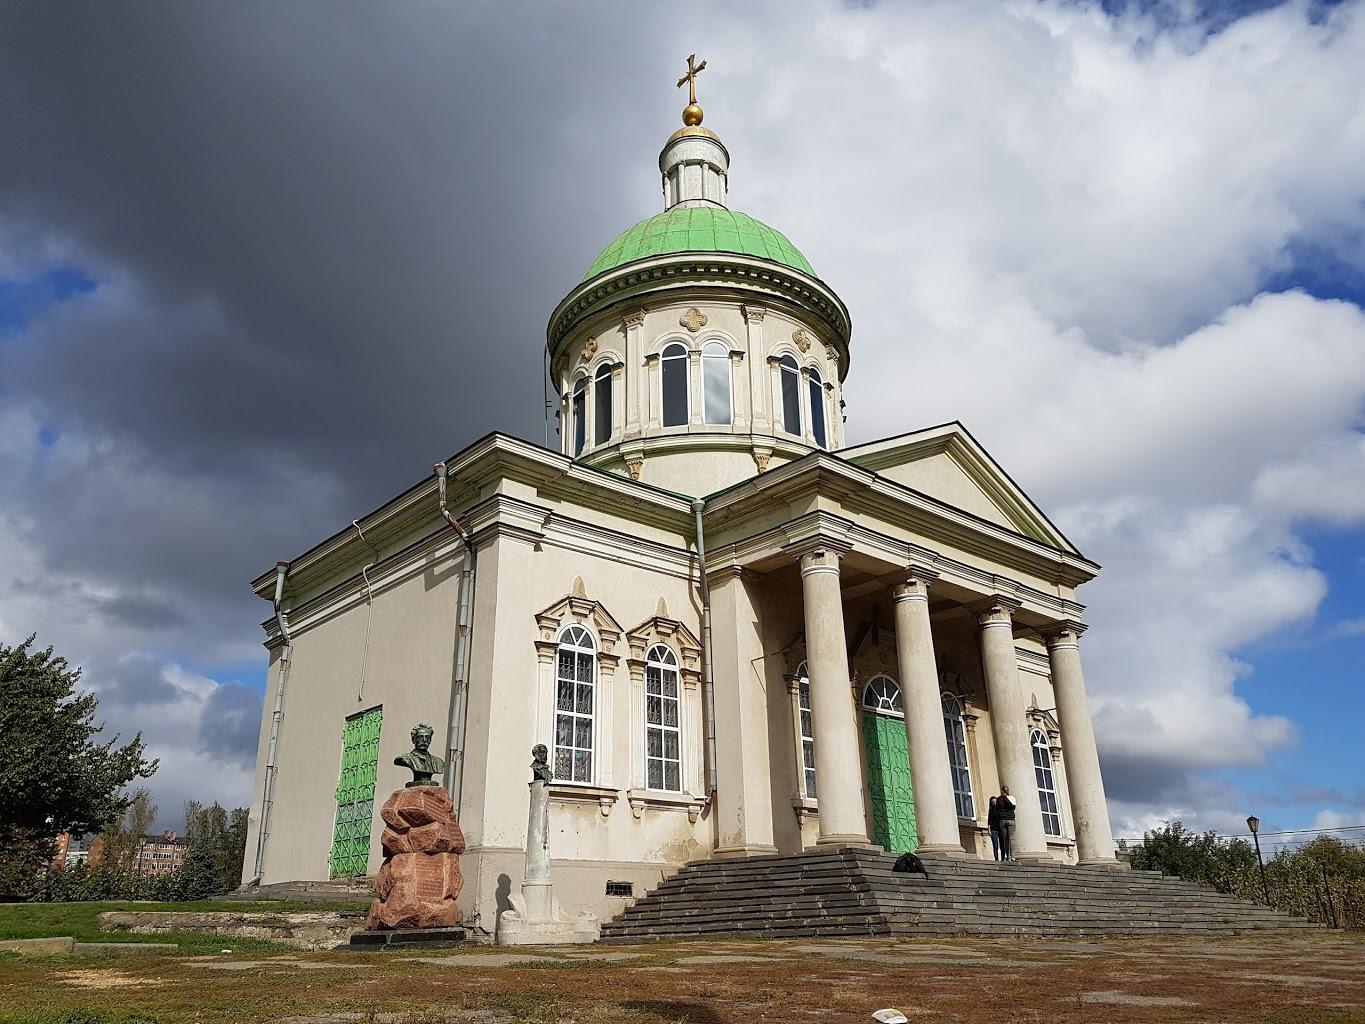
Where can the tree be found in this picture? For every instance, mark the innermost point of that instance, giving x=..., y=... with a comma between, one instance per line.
x=1201, y=857
x=223, y=834
x=123, y=842
x=55, y=776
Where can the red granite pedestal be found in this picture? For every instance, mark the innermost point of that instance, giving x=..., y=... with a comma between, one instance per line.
x=421, y=876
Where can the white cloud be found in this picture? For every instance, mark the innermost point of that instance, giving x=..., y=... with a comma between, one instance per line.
x=1052, y=225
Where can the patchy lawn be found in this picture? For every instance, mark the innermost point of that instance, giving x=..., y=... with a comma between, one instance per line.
x=81, y=922
x=1286, y=979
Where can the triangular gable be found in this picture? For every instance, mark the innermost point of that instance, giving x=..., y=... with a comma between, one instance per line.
x=583, y=610
x=949, y=464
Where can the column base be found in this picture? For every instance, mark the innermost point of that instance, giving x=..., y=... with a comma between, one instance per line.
x=952, y=851
x=1102, y=862
x=847, y=840
x=743, y=850
x=1036, y=858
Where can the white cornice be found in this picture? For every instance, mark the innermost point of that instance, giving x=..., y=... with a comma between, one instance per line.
x=671, y=271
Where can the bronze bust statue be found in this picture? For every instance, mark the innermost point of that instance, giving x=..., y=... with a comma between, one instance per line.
x=540, y=764
x=419, y=760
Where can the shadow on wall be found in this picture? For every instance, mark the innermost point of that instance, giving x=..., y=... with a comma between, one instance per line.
x=504, y=892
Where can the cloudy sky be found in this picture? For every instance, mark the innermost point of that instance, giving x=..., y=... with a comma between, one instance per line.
x=261, y=264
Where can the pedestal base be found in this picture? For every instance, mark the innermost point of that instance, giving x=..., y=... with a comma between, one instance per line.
x=371, y=940
x=513, y=931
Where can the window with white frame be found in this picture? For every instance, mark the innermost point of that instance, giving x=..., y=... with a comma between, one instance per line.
x=601, y=401
x=575, y=705
x=883, y=695
x=807, y=727
x=663, y=737
x=790, y=376
x=674, y=384
x=955, y=731
x=817, y=407
x=579, y=415
x=715, y=384
x=1047, y=789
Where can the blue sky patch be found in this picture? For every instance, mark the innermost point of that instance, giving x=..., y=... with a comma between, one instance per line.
x=23, y=300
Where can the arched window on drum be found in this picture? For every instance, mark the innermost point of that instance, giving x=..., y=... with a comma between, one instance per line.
x=601, y=400
x=674, y=384
x=716, y=399
x=578, y=415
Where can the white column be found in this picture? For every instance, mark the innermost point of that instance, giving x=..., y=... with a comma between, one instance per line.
x=760, y=411
x=1013, y=754
x=1089, y=809
x=694, y=385
x=930, y=777
x=838, y=764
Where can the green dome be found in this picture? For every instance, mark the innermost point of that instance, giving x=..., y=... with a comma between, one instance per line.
x=699, y=229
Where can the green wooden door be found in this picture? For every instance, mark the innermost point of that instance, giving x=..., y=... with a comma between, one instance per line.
x=355, y=793
x=888, y=776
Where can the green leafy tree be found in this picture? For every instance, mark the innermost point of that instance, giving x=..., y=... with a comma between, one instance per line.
x=123, y=842
x=56, y=776
x=223, y=833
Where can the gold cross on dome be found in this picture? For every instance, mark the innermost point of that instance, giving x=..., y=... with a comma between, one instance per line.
x=693, y=70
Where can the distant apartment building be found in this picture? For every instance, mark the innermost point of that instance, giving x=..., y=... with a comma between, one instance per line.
x=161, y=854
x=72, y=850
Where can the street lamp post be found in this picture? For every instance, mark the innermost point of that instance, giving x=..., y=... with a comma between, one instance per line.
x=1254, y=823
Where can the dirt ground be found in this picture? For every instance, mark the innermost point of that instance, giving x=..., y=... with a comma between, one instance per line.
x=1289, y=979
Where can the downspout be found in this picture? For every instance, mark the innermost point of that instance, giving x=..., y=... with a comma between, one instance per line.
x=707, y=681
x=369, y=612
x=464, y=628
x=267, y=790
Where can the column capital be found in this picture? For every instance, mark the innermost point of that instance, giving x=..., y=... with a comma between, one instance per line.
x=1065, y=633
x=820, y=557
x=633, y=318
x=820, y=545
x=996, y=610
x=913, y=582
x=753, y=314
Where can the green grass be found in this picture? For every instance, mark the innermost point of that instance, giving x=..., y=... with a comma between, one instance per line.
x=81, y=922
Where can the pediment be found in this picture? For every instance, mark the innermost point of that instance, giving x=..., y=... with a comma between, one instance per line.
x=948, y=464
x=586, y=612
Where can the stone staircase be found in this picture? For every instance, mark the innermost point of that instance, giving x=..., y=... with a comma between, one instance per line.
x=853, y=892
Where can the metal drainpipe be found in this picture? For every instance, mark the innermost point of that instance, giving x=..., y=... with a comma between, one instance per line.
x=464, y=629
x=369, y=610
x=267, y=790
x=707, y=682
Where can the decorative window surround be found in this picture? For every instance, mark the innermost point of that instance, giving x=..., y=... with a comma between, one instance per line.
x=682, y=641
x=805, y=807
x=592, y=616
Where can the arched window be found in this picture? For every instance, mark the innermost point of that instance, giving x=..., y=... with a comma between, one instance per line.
x=601, y=400
x=580, y=415
x=956, y=733
x=791, y=395
x=817, y=407
x=1047, y=790
x=575, y=704
x=663, y=739
x=715, y=384
x=675, y=385
x=807, y=727
x=883, y=696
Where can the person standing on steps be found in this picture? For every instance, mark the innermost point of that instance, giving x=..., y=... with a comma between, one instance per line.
x=1004, y=806
x=993, y=823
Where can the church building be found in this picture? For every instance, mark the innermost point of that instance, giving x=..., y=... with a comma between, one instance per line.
x=736, y=634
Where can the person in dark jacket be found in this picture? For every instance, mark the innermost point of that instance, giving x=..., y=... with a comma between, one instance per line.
x=1004, y=805
x=993, y=823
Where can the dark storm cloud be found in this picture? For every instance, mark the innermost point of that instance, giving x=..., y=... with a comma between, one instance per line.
x=326, y=239
x=230, y=724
